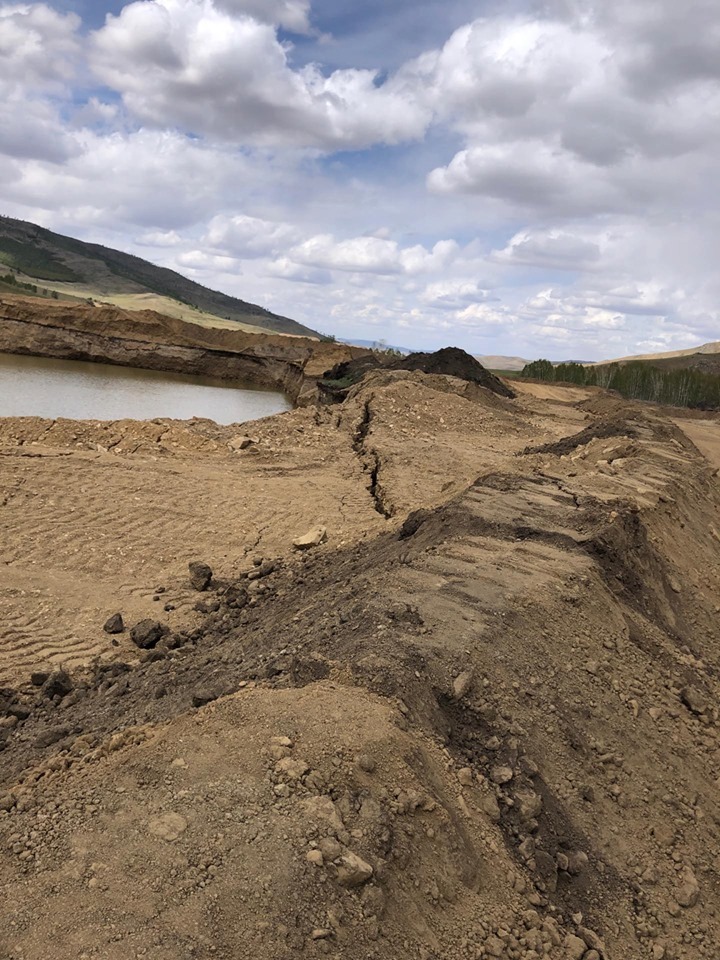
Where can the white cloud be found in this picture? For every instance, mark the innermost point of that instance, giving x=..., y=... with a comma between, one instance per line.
x=570, y=153
x=38, y=47
x=245, y=236
x=189, y=64
x=555, y=249
x=293, y=15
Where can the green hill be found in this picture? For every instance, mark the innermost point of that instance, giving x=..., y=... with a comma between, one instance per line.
x=92, y=271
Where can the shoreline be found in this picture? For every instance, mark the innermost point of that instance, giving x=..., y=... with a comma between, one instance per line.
x=153, y=341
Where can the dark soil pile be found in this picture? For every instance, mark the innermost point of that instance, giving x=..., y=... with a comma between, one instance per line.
x=450, y=362
x=454, y=362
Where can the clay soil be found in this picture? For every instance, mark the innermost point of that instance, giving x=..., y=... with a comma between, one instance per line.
x=479, y=720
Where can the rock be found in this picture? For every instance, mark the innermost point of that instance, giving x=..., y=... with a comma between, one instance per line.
x=315, y=857
x=205, y=695
x=148, y=633
x=200, y=575
x=366, y=763
x=38, y=677
x=7, y=802
x=494, y=947
x=114, y=624
x=168, y=827
x=688, y=893
x=352, y=871
x=465, y=776
x=577, y=861
x=239, y=443
x=293, y=769
x=574, y=947
x=694, y=700
x=501, y=775
x=491, y=807
x=529, y=805
x=58, y=684
x=462, y=684
x=330, y=848
x=48, y=737
x=313, y=538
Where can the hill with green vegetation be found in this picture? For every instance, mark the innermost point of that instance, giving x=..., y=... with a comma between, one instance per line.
x=659, y=381
x=92, y=271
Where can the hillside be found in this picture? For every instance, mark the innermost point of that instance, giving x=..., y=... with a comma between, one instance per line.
x=706, y=348
x=478, y=719
x=705, y=359
x=92, y=271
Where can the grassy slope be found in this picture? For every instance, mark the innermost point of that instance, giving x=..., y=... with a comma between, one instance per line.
x=106, y=274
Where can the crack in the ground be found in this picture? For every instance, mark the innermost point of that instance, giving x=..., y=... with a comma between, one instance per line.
x=370, y=460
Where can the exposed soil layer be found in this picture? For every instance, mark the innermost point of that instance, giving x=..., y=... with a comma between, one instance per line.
x=479, y=719
x=143, y=338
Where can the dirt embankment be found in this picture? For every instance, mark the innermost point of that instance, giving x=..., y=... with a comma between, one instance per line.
x=479, y=720
x=158, y=342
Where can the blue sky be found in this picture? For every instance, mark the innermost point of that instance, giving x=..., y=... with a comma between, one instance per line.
x=529, y=178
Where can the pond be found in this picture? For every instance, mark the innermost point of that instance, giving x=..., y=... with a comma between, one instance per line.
x=38, y=387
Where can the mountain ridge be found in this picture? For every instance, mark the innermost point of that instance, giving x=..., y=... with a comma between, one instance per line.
x=66, y=264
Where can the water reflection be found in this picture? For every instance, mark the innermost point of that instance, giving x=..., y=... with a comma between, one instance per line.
x=35, y=386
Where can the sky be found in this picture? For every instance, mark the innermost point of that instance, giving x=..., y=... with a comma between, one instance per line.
x=535, y=178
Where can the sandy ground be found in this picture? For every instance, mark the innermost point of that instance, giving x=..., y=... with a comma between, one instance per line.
x=480, y=720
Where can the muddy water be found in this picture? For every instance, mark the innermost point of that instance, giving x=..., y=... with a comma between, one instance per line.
x=34, y=386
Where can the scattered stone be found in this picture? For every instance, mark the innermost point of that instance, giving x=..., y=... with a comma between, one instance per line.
x=529, y=805
x=168, y=827
x=352, y=870
x=114, y=624
x=58, y=684
x=462, y=684
x=491, y=807
x=366, y=763
x=465, y=776
x=48, y=737
x=501, y=775
x=293, y=769
x=330, y=848
x=574, y=947
x=239, y=443
x=205, y=695
x=688, y=893
x=200, y=575
x=148, y=633
x=694, y=700
x=313, y=538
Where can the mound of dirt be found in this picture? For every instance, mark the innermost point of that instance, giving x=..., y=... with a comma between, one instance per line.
x=336, y=383
x=479, y=721
x=454, y=362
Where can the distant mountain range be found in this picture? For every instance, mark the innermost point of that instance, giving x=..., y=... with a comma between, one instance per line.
x=90, y=271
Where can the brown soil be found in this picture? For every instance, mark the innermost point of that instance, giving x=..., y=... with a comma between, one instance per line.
x=480, y=720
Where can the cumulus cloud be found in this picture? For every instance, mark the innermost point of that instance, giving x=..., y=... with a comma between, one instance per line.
x=244, y=236
x=292, y=15
x=555, y=249
x=372, y=255
x=555, y=190
x=190, y=64
x=38, y=47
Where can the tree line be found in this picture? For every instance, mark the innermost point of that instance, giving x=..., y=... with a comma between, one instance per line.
x=636, y=381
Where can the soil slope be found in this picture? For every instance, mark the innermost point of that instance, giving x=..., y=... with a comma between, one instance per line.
x=479, y=720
